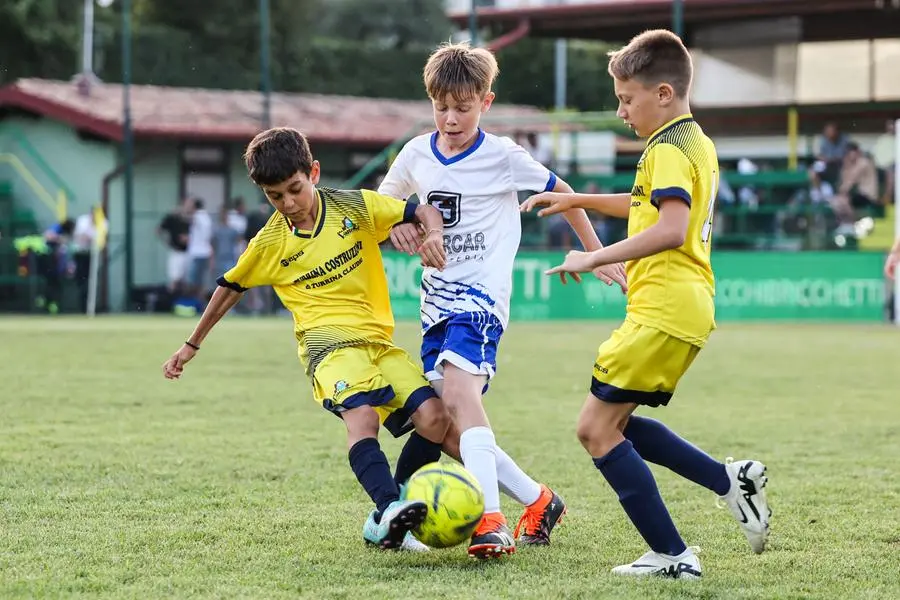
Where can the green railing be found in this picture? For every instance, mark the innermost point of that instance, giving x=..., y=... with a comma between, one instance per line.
x=57, y=196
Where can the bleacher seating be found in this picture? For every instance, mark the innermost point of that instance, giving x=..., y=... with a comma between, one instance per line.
x=773, y=223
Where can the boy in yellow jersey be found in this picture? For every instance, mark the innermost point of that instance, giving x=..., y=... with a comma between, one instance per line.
x=670, y=310
x=320, y=253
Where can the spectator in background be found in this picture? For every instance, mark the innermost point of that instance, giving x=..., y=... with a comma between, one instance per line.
x=55, y=265
x=258, y=298
x=200, y=251
x=747, y=195
x=832, y=149
x=174, y=230
x=540, y=152
x=858, y=187
x=820, y=191
x=884, y=154
x=257, y=220
x=225, y=240
x=237, y=220
x=237, y=217
x=82, y=242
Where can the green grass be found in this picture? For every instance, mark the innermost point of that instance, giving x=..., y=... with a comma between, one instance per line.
x=230, y=483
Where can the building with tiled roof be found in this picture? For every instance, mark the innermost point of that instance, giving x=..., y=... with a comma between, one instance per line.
x=63, y=139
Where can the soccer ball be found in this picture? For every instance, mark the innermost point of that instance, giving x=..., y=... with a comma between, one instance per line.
x=455, y=503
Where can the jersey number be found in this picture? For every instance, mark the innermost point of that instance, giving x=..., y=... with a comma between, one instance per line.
x=448, y=205
x=706, y=232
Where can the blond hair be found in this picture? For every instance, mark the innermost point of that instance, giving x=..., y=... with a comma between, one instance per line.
x=654, y=57
x=461, y=71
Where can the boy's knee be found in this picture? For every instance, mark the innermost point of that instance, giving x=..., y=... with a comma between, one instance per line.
x=361, y=422
x=598, y=435
x=432, y=420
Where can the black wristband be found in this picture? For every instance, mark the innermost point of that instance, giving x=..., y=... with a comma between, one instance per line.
x=194, y=346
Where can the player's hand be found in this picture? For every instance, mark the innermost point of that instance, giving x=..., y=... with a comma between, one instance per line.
x=576, y=262
x=174, y=367
x=432, y=250
x=554, y=201
x=406, y=237
x=610, y=274
x=890, y=265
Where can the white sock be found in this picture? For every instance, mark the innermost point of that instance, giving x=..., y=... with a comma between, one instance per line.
x=514, y=482
x=478, y=451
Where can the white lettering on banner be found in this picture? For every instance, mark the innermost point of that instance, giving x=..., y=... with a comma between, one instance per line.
x=806, y=293
x=536, y=284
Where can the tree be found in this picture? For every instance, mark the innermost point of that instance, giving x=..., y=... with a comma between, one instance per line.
x=388, y=23
x=526, y=75
x=40, y=38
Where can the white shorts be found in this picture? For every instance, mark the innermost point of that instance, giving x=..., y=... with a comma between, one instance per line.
x=176, y=266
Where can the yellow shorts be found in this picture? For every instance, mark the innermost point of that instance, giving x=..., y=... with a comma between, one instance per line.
x=640, y=364
x=377, y=375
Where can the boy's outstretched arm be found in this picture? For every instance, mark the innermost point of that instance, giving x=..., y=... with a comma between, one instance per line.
x=667, y=234
x=223, y=300
x=613, y=205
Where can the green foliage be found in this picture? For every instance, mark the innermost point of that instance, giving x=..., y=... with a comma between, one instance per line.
x=386, y=23
x=39, y=38
x=360, y=47
x=527, y=75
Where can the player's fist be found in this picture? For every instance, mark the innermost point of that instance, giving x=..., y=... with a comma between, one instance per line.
x=554, y=201
x=406, y=237
x=432, y=250
x=174, y=367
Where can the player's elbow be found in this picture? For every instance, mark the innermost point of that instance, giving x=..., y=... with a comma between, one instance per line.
x=678, y=238
x=673, y=237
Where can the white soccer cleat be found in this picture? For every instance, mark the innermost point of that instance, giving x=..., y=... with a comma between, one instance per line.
x=684, y=566
x=411, y=544
x=747, y=500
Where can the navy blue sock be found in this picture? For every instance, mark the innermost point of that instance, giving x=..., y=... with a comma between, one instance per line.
x=373, y=472
x=660, y=445
x=632, y=480
x=417, y=452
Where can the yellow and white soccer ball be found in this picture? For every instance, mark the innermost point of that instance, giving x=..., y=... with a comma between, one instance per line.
x=455, y=503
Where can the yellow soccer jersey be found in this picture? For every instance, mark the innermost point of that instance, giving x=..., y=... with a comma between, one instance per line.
x=331, y=278
x=673, y=291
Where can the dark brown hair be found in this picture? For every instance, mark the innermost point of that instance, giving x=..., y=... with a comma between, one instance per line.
x=276, y=154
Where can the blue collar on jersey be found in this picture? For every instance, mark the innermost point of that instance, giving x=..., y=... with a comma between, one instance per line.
x=454, y=159
x=320, y=220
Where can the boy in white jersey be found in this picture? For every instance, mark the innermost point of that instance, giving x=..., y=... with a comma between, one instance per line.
x=474, y=178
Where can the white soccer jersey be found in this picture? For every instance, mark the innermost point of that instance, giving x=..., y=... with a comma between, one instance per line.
x=477, y=193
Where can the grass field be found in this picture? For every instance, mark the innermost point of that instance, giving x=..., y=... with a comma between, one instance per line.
x=232, y=483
